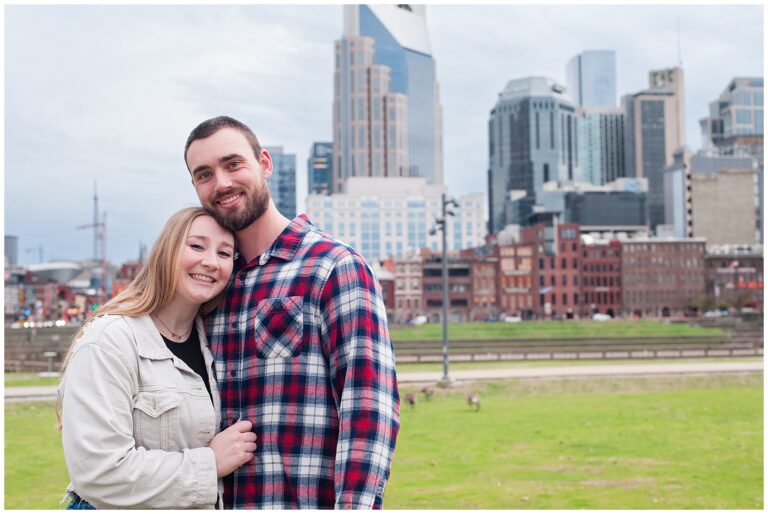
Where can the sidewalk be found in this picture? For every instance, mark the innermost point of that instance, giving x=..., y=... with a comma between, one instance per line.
x=48, y=393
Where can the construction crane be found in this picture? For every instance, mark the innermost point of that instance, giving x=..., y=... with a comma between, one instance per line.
x=99, y=243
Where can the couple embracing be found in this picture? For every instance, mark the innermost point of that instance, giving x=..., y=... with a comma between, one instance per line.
x=247, y=366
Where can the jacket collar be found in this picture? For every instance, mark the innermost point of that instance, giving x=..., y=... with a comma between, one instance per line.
x=149, y=342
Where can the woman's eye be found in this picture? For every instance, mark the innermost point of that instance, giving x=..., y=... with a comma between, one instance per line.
x=224, y=254
x=196, y=246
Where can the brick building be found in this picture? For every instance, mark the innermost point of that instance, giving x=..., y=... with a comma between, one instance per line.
x=735, y=276
x=517, y=286
x=662, y=277
x=484, y=264
x=408, y=301
x=459, y=287
x=558, y=268
x=601, y=278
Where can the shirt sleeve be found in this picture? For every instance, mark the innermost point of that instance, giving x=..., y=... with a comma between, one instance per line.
x=104, y=465
x=364, y=382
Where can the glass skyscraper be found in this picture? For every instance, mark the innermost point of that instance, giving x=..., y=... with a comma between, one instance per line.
x=282, y=182
x=533, y=139
x=387, y=115
x=320, y=168
x=591, y=78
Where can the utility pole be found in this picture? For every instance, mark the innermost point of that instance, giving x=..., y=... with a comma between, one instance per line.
x=440, y=224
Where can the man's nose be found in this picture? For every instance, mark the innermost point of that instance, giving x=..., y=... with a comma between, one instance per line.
x=223, y=181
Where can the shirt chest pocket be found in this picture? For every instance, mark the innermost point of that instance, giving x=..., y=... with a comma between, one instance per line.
x=278, y=327
x=156, y=419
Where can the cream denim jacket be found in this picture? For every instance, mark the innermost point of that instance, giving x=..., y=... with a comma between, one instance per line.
x=137, y=421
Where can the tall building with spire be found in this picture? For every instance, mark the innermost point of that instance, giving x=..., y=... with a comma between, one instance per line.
x=654, y=131
x=387, y=119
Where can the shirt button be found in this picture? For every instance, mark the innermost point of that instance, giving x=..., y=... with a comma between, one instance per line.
x=234, y=324
x=233, y=373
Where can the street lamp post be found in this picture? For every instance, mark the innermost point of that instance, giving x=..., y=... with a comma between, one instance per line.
x=440, y=224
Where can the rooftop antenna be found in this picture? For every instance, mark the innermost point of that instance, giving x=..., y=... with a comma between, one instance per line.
x=679, y=48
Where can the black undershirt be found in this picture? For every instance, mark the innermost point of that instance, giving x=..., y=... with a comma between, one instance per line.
x=189, y=351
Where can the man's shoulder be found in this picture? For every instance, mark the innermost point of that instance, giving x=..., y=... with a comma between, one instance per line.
x=318, y=243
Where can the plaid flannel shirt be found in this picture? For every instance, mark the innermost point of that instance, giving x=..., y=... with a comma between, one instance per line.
x=302, y=350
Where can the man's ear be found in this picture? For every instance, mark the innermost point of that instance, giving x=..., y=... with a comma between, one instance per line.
x=266, y=162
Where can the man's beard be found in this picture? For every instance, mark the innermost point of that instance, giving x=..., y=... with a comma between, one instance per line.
x=255, y=205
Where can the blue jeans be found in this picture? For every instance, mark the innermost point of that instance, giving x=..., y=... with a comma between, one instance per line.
x=79, y=504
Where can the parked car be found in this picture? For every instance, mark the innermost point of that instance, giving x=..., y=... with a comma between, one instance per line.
x=512, y=319
x=599, y=316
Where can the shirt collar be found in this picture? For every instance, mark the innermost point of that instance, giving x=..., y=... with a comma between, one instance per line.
x=286, y=244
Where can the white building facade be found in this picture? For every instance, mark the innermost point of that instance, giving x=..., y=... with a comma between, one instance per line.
x=392, y=217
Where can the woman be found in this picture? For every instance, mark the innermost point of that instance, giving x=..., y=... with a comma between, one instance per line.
x=138, y=396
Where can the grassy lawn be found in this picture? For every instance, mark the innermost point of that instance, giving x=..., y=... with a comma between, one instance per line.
x=35, y=474
x=639, y=443
x=688, y=442
x=14, y=379
x=549, y=329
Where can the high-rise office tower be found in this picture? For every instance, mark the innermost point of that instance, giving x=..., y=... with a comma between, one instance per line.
x=320, y=168
x=591, y=78
x=386, y=111
x=12, y=251
x=601, y=144
x=735, y=126
x=282, y=182
x=532, y=134
x=654, y=130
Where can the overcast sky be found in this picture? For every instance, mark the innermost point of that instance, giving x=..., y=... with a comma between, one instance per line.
x=110, y=93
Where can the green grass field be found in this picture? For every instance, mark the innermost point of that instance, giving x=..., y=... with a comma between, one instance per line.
x=549, y=329
x=693, y=442
x=14, y=379
x=640, y=443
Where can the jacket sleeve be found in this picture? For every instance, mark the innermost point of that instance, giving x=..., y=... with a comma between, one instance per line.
x=104, y=465
x=364, y=382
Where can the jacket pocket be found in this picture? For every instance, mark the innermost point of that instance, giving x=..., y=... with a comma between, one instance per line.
x=278, y=327
x=156, y=419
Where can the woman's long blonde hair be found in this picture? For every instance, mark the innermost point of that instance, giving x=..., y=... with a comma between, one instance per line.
x=155, y=285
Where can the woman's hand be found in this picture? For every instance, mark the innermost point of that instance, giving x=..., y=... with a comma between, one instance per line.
x=233, y=447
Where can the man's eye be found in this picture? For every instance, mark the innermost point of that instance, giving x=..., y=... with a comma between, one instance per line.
x=203, y=175
x=233, y=164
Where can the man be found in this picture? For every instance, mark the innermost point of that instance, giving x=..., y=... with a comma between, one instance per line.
x=301, y=342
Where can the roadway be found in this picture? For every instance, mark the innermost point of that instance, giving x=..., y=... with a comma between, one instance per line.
x=47, y=393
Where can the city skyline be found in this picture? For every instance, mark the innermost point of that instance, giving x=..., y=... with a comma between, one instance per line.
x=109, y=94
